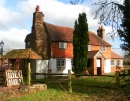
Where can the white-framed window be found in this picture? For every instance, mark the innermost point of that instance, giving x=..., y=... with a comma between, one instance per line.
x=60, y=62
x=89, y=47
x=63, y=45
x=112, y=62
x=103, y=48
x=118, y=62
x=72, y=62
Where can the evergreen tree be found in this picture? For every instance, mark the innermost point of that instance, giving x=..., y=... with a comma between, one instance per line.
x=80, y=44
x=124, y=32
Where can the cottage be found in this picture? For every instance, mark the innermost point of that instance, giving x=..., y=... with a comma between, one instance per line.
x=54, y=44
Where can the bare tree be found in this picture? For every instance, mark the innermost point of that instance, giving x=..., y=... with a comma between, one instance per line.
x=115, y=14
x=109, y=12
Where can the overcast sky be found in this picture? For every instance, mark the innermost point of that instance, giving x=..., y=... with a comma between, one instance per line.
x=16, y=19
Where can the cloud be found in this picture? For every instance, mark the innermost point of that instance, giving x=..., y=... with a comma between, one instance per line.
x=14, y=38
x=16, y=21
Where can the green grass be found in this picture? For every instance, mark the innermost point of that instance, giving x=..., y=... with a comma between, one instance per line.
x=84, y=89
x=52, y=95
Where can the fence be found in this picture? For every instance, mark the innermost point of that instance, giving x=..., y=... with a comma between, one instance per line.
x=15, y=77
x=117, y=77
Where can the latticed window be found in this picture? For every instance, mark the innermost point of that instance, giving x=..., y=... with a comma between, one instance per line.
x=63, y=45
x=103, y=48
x=60, y=62
x=112, y=62
x=118, y=62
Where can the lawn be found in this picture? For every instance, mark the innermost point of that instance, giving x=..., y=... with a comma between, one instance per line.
x=84, y=89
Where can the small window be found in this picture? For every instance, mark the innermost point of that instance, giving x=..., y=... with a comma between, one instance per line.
x=28, y=43
x=112, y=62
x=63, y=45
x=103, y=48
x=72, y=62
x=118, y=63
x=89, y=47
x=60, y=62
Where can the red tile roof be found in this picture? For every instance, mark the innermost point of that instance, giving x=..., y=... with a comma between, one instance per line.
x=96, y=40
x=115, y=56
x=60, y=33
x=91, y=54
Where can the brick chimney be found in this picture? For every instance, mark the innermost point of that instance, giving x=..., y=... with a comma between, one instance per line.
x=101, y=32
x=38, y=17
x=39, y=37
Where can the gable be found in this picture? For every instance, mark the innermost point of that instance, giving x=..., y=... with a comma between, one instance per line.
x=95, y=53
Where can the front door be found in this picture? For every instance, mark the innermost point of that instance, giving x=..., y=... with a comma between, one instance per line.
x=98, y=66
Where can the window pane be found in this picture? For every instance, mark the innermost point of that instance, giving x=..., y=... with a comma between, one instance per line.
x=63, y=45
x=103, y=48
x=112, y=62
x=89, y=47
x=60, y=45
x=118, y=62
x=60, y=62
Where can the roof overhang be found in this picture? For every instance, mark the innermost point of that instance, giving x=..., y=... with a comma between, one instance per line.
x=95, y=54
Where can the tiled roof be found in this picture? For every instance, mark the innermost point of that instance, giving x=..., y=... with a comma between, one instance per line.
x=22, y=54
x=60, y=33
x=95, y=40
x=115, y=56
x=91, y=54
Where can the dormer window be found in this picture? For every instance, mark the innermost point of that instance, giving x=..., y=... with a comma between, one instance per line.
x=103, y=48
x=63, y=45
x=27, y=43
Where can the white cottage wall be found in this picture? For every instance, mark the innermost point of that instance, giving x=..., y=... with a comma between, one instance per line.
x=107, y=66
x=41, y=67
x=52, y=65
x=68, y=66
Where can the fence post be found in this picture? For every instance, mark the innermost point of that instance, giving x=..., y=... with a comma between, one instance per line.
x=117, y=79
x=29, y=72
x=69, y=81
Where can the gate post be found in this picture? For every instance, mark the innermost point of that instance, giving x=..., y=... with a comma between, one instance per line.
x=117, y=78
x=29, y=73
x=69, y=81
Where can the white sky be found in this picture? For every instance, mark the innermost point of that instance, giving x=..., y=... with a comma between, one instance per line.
x=16, y=19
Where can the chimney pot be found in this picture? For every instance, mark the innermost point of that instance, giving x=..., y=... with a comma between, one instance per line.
x=101, y=32
x=37, y=8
